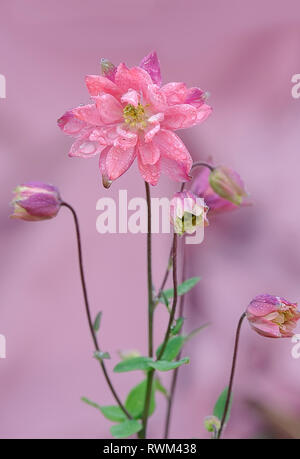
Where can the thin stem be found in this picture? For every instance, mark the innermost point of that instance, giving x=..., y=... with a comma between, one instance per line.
x=172, y=314
x=233, y=366
x=150, y=375
x=149, y=271
x=167, y=272
x=202, y=163
x=87, y=309
x=175, y=372
x=142, y=434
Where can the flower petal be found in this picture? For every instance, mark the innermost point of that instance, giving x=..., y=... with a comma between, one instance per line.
x=118, y=161
x=179, y=117
x=149, y=153
x=131, y=97
x=195, y=97
x=134, y=78
x=150, y=63
x=264, y=327
x=70, y=124
x=156, y=98
x=149, y=172
x=202, y=113
x=175, y=93
x=88, y=113
x=263, y=305
x=125, y=138
x=85, y=148
x=109, y=108
x=174, y=153
x=98, y=84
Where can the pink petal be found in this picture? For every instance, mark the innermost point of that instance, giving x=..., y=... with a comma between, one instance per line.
x=110, y=109
x=118, y=161
x=202, y=113
x=195, y=97
x=103, y=169
x=264, y=327
x=149, y=172
x=71, y=125
x=150, y=63
x=175, y=93
x=179, y=117
x=174, y=169
x=149, y=153
x=131, y=97
x=89, y=114
x=156, y=98
x=104, y=135
x=134, y=78
x=98, y=84
x=125, y=138
x=263, y=305
x=172, y=147
x=85, y=148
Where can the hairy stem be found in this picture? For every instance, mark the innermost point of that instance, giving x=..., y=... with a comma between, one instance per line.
x=233, y=367
x=87, y=309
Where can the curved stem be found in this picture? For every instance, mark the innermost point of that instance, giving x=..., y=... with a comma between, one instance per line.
x=87, y=309
x=233, y=366
x=204, y=164
x=175, y=372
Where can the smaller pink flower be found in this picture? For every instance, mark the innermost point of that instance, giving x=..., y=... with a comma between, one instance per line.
x=201, y=186
x=36, y=201
x=273, y=316
x=227, y=184
x=187, y=211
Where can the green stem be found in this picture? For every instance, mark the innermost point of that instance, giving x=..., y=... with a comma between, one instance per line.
x=233, y=367
x=87, y=309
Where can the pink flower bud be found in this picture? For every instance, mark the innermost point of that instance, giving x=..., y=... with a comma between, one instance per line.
x=227, y=184
x=108, y=69
x=187, y=212
x=36, y=201
x=273, y=316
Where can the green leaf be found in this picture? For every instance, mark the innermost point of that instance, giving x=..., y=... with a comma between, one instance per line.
x=113, y=413
x=136, y=400
x=177, y=327
x=220, y=405
x=160, y=388
x=164, y=365
x=172, y=349
x=97, y=321
x=136, y=363
x=196, y=331
x=89, y=402
x=99, y=355
x=126, y=428
x=183, y=288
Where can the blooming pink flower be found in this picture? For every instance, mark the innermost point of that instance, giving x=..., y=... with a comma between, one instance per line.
x=187, y=211
x=201, y=187
x=131, y=116
x=273, y=316
x=36, y=201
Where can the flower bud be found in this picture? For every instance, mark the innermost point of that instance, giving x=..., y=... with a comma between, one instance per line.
x=108, y=69
x=227, y=184
x=187, y=212
x=36, y=201
x=273, y=316
x=212, y=423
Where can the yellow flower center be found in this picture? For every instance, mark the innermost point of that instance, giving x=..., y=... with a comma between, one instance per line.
x=135, y=117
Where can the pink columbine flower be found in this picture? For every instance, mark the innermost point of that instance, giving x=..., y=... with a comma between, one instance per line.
x=201, y=187
x=36, y=201
x=132, y=116
x=273, y=316
x=187, y=212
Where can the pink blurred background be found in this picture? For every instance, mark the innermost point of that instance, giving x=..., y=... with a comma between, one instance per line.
x=244, y=54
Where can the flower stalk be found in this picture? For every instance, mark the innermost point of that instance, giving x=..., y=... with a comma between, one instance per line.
x=87, y=309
